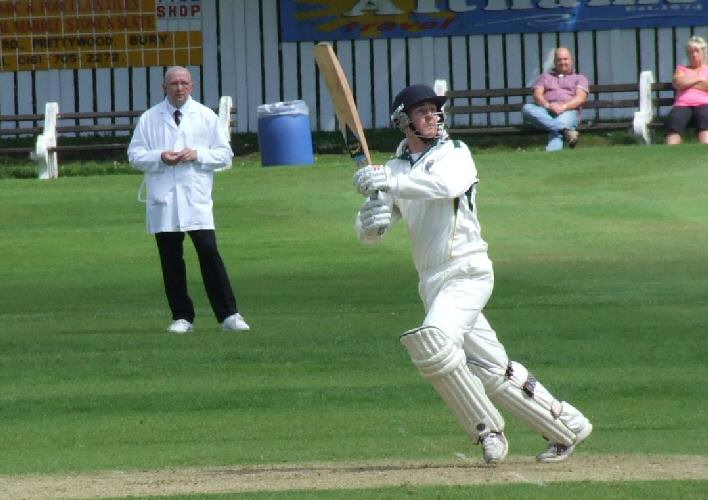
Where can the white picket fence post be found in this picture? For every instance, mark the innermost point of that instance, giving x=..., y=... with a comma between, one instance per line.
x=47, y=163
x=645, y=115
x=225, y=105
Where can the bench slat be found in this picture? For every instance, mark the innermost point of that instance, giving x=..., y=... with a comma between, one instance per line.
x=21, y=131
x=527, y=91
x=516, y=107
x=476, y=93
x=13, y=151
x=614, y=87
x=87, y=147
x=523, y=129
x=609, y=104
x=98, y=114
x=108, y=127
x=662, y=86
x=21, y=118
x=490, y=130
x=484, y=108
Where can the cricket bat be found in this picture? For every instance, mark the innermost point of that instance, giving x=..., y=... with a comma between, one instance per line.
x=343, y=101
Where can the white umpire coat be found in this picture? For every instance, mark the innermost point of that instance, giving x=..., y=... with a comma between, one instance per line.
x=179, y=197
x=435, y=197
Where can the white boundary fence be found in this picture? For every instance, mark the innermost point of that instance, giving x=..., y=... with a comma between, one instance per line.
x=244, y=58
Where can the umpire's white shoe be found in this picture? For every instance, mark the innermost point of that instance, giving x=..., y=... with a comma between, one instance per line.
x=180, y=326
x=495, y=447
x=235, y=323
x=557, y=452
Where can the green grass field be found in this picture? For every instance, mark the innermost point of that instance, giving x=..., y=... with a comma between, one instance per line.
x=601, y=290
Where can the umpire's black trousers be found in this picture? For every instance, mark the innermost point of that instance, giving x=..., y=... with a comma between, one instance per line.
x=174, y=274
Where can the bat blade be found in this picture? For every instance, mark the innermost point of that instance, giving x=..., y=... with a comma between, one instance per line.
x=343, y=101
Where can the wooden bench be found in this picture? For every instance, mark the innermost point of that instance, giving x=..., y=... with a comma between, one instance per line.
x=23, y=126
x=488, y=111
x=107, y=130
x=101, y=124
x=121, y=124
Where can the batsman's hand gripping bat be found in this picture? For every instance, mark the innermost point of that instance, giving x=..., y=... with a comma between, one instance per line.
x=343, y=101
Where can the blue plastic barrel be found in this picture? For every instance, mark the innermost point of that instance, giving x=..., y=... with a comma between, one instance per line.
x=284, y=135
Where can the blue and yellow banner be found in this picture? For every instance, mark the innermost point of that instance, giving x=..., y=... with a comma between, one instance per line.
x=313, y=20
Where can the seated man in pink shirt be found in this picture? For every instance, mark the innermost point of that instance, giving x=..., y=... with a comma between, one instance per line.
x=558, y=97
x=691, y=84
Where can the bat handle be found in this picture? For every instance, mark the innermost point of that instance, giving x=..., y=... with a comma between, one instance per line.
x=361, y=162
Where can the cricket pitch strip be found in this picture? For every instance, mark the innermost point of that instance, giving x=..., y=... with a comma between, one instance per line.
x=332, y=476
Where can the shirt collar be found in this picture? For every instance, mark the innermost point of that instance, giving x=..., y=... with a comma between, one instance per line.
x=563, y=75
x=412, y=158
x=172, y=109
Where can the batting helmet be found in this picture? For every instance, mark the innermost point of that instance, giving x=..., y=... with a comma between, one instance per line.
x=409, y=97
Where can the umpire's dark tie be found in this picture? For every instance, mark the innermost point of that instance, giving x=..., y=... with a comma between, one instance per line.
x=178, y=116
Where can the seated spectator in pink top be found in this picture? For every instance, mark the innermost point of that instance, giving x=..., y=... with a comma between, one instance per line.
x=558, y=97
x=691, y=103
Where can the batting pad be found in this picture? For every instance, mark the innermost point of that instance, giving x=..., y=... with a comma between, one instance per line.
x=443, y=363
x=524, y=396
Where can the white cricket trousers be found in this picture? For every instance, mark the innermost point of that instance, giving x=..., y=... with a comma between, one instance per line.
x=453, y=296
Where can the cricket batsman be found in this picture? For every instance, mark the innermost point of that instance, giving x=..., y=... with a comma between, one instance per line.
x=431, y=185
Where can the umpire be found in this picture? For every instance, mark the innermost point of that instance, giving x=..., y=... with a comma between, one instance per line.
x=178, y=144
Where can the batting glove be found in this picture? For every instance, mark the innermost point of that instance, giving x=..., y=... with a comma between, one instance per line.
x=372, y=178
x=375, y=217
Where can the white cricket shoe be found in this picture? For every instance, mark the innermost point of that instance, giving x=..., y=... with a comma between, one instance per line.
x=180, y=326
x=235, y=323
x=495, y=447
x=557, y=452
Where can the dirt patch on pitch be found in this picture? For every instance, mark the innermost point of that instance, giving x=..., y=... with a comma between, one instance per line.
x=348, y=475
